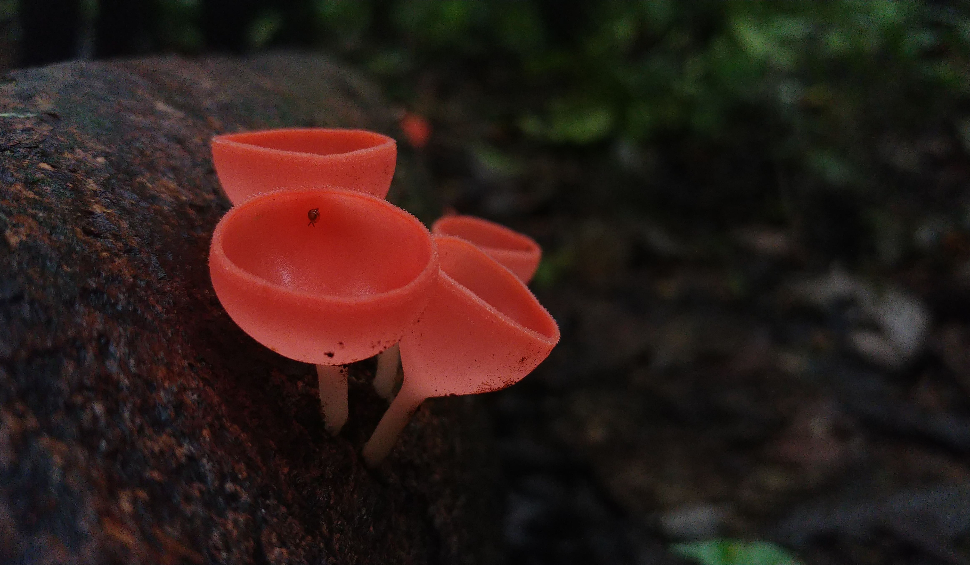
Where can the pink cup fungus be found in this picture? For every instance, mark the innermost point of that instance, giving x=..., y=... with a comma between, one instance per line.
x=257, y=162
x=482, y=330
x=329, y=294
x=416, y=129
x=515, y=251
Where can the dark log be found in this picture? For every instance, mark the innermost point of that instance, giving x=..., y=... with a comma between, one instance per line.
x=138, y=424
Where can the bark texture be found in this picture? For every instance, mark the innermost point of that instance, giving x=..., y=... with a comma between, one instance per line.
x=138, y=424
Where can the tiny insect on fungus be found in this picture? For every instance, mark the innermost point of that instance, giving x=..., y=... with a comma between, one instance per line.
x=306, y=297
x=313, y=215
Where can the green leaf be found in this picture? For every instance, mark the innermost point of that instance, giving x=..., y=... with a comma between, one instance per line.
x=553, y=268
x=776, y=40
x=833, y=168
x=735, y=552
x=391, y=62
x=569, y=123
x=496, y=163
x=445, y=23
x=581, y=125
x=752, y=38
x=265, y=28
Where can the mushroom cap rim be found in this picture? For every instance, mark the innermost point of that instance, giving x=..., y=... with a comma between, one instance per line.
x=228, y=139
x=550, y=339
x=426, y=272
x=529, y=245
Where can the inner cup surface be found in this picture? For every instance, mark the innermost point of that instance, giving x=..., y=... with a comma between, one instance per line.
x=358, y=245
x=315, y=141
x=492, y=283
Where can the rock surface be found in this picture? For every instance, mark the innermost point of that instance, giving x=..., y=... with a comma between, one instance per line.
x=138, y=424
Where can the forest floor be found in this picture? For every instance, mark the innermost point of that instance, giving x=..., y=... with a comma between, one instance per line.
x=725, y=375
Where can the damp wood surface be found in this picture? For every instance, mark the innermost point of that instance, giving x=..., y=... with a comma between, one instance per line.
x=138, y=423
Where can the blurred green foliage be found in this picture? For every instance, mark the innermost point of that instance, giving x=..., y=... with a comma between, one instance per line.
x=811, y=88
x=635, y=69
x=814, y=89
x=814, y=83
x=735, y=552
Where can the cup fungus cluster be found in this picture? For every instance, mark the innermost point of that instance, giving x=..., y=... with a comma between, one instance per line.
x=313, y=263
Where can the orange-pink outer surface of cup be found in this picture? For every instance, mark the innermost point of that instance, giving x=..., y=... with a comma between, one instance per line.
x=258, y=162
x=482, y=330
x=517, y=252
x=338, y=291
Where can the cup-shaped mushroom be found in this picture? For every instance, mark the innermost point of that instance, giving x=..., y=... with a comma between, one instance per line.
x=519, y=253
x=257, y=162
x=323, y=276
x=482, y=330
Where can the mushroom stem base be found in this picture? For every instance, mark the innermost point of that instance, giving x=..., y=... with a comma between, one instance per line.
x=385, y=377
x=390, y=426
x=332, y=380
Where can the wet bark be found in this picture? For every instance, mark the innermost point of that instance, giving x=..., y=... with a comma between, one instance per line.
x=138, y=424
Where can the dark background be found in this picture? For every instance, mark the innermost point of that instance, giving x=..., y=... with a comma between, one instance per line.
x=756, y=224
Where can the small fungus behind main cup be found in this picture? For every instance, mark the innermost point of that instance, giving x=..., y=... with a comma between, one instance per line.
x=258, y=162
x=482, y=330
x=517, y=252
x=341, y=290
